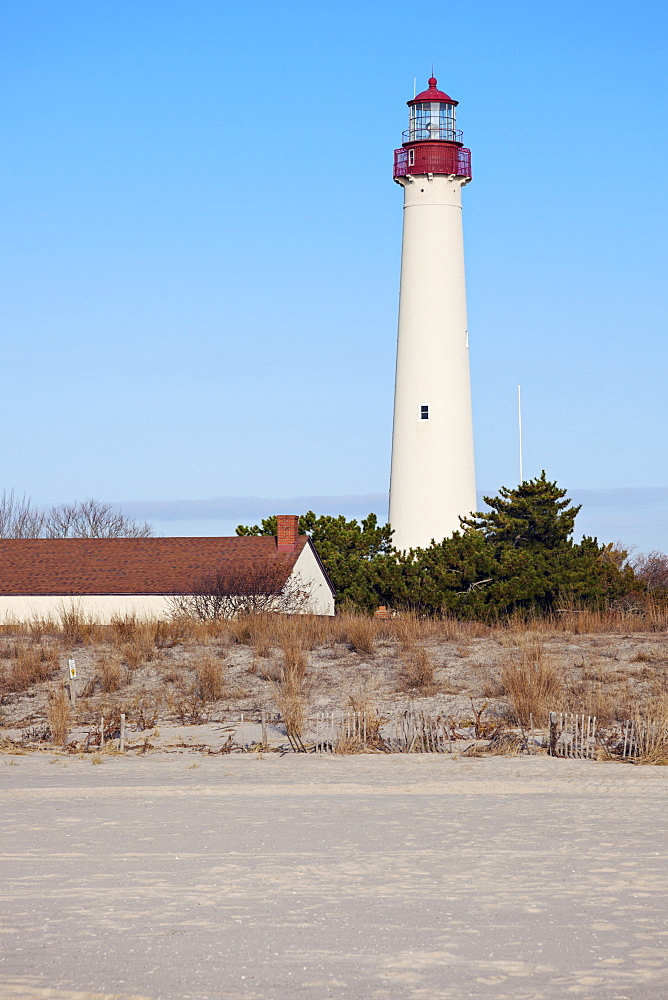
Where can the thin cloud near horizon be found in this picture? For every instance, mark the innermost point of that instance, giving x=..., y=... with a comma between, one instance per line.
x=224, y=508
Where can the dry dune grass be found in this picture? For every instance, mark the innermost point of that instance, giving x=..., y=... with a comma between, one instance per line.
x=76, y=626
x=290, y=683
x=523, y=668
x=409, y=628
x=361, y=631
x=256, y=631
x=657, y=754
x=58, y=715
x=536, y=682
x=113, y=676
x=265, y=632
x=140, y=649
x=651, y=617
x=347, y=746
x=29, y=663
x=533, y=683
x=651, y=733
x=210, y=674
x=360, y=730
x=417, y=670
x=650, y=653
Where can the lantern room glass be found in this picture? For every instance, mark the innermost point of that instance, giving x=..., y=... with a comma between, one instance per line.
x=433, y=120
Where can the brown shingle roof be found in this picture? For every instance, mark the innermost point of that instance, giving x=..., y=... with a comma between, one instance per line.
x=82, y=566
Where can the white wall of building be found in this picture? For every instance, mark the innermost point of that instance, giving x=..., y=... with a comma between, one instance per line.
x=433, y=476
x=101, y=608
x=307, y=571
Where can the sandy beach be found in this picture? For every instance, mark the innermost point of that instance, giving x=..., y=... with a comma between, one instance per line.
x=247, y=878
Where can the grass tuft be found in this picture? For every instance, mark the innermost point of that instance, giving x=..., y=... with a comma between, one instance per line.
x=532, y=682
x=210, y=678
x=29, y=663
x=290, y=684
x=358, y=631
x=112, y=674
x=417, y=671
x=58, y=715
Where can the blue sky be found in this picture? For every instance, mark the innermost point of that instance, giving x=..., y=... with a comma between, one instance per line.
x=201, y=247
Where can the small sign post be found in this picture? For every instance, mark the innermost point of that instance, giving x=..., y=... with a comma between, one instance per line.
x=72, y=678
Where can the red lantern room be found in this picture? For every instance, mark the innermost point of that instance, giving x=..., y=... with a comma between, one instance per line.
x=432, y=144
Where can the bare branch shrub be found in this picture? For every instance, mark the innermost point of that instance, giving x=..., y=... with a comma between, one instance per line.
x=144, y=710
x=92, y=519
x=652, y=569
x=189, y=704
x=18, y=517
x=248, y=587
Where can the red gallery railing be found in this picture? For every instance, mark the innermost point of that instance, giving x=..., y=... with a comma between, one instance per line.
x=432, y=158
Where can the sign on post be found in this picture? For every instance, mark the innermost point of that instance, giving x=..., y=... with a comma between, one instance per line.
x=72, y=664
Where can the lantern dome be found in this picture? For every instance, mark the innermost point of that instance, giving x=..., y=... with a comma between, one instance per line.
x=433, y=94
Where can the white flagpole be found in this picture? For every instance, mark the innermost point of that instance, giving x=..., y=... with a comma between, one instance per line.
x=519, y=426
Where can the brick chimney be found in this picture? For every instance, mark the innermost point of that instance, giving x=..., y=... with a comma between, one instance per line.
x=287, y=533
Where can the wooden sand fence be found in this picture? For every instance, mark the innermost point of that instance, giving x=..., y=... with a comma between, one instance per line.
x=644, y=738
x=577, y=736
x=348, y=731
x=410, y=731
x=572, y=735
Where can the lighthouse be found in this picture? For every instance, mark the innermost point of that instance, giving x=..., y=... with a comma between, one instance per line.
x=433, y=478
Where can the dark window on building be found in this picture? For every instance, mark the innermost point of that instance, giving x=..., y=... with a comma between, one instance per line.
x=424, y=413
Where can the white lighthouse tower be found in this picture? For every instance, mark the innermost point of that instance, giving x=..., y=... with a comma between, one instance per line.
x=433, y=478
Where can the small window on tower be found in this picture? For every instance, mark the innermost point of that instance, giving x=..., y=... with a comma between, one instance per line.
x=411, y=157
x=424, y=413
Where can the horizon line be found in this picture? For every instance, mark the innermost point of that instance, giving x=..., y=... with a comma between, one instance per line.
x=230, y=507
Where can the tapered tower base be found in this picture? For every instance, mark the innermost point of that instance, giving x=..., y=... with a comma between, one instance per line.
x=433, y=478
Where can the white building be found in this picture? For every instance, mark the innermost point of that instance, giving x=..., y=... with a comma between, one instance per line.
x=107, y=577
